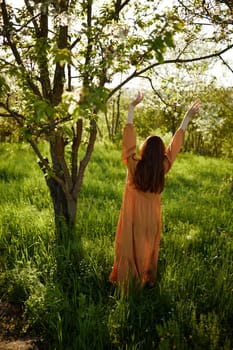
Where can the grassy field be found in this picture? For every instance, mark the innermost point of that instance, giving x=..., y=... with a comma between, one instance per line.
x=192, y=304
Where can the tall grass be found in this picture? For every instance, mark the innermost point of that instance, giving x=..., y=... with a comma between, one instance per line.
x=191, y=306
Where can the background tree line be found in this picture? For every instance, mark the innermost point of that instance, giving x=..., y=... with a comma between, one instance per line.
x=209, y=134
x=162, y=111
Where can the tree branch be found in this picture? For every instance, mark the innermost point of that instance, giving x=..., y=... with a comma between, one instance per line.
x=76, y=41
x=89, y=43
x=14, y=50
x=118, y=87
x=155, y=91
x=6, y=63
x=75, y=146
x=59, y=145
x=185, y=47
x=42, y=37
x=62, y=43
x=226, y=64
x=218, y=19
x=17, y=116
x=170, y=61
x=32, y=19
x=5, y=115
x=119, y=5
x=86, y=158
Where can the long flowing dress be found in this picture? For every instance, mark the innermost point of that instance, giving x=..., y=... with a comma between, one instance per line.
x=139, y=226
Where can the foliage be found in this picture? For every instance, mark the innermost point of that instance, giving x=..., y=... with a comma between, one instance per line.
x=218, y=13
x=190, y=308
x=209, y=133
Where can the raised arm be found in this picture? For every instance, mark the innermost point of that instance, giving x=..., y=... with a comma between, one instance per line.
x=177, y=141
x=132, y=105
x=194, y=108
x=129, y=133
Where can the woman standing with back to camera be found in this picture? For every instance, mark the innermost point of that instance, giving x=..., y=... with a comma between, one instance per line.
x=139, y=227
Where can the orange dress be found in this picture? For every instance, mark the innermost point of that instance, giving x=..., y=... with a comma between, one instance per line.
x=139, y=227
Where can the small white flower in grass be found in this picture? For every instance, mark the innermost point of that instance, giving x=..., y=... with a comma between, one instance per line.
x=217, y=257
x=189, y=237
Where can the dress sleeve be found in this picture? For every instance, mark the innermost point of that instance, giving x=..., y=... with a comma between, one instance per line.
x=173, y=149
x=129, y=142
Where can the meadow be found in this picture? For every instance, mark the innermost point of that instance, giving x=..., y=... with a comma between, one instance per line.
x=191, y=306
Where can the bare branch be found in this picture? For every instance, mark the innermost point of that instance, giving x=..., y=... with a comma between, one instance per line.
x=59, y=144
x=74, y=43
x=89, y=43
x=185, y=47
x=59, y=75
x=30, y=10
x=6, y=115
x=42, y=36
x=170, y=61
x=6, y=63
x=218, y=19
x=75, y=146
x=226, y=64
x=86, y=158
x=155, y=91
x=119, y=5
x=25, y=25
x=17, y=116
x=14, y=50
x=118, y=87
x=187, y=60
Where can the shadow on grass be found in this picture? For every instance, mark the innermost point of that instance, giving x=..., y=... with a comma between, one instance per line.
x=8, y=175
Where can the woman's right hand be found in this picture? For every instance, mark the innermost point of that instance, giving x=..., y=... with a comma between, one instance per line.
x=138, y=99
x=134, y=103
x=193, y=109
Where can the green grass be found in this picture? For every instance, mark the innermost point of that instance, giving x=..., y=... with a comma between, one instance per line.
x=191, y=306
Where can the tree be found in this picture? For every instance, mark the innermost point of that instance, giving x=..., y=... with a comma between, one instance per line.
x=113, y=116
x=218, y=13
x=175, y=89
x=52, y=49
x=213, y=16
x=212, y=134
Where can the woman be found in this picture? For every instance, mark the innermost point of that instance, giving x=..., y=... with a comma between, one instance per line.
x=139, y=226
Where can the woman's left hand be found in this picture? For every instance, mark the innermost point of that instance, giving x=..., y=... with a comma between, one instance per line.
x=194, y=109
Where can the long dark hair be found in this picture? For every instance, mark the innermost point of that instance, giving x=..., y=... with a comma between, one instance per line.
x=149, y=172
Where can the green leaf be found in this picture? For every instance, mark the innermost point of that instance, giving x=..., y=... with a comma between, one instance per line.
x=26, y=134
x=169, y=39
x=159, y=57
x=42, y=109
x=158, y=44
x=94, y=101
x=62, y=56
x=67, y=130
x=178, y=26
x=4, y=88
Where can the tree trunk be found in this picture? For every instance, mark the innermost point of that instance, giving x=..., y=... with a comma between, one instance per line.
x=68, y=245
x=64, y=209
